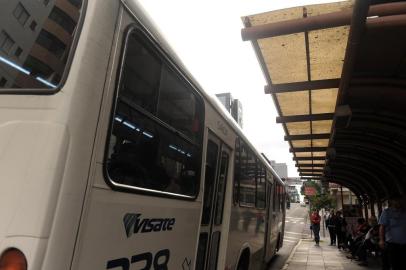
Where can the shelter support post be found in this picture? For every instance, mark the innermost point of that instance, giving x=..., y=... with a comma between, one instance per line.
x=366, y=210
x=372, y=208
x=379, y=208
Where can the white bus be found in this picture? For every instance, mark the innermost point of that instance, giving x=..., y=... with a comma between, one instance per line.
x=113, y=157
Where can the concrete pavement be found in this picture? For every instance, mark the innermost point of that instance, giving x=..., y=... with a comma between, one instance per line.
x=296, y=218
x=307, y=256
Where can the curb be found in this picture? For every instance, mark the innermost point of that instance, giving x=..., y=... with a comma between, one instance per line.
x=291, y=255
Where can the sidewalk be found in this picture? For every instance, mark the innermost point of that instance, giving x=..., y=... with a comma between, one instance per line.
x=307, y=256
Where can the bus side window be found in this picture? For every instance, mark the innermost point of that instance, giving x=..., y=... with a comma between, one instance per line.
x=283, y=198
x=156, y=138
x=237, y=169
x=278, y=197
x=261, y=188
x=247, y=177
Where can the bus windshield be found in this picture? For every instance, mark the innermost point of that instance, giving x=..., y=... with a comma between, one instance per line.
x=35, y=40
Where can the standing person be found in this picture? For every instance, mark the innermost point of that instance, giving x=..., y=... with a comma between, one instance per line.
x=331, y=226
x=392, y=231
x=315, y=220
x=340, y=226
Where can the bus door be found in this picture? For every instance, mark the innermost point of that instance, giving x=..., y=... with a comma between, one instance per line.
x=217, y=162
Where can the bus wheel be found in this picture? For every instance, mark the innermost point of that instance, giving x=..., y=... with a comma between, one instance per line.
x=244, y=261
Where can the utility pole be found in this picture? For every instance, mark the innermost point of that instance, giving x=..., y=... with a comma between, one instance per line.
x=324, y=222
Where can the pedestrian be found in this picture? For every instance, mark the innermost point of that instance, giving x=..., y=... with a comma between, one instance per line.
x=331, y=227
x=341, y=229
x=392, y=231
x=315, y=221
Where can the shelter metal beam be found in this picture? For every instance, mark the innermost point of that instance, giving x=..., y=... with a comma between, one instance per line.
x=301, y=86
x=305, y=117
x=310, y=174
x=355, y=177
x=309, y=165
x=307, y=149
x=309, y=158
x=312, y=177
x=307, y=137
x=310, y=170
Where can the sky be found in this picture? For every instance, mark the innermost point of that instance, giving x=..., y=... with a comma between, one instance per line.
x=206, y=35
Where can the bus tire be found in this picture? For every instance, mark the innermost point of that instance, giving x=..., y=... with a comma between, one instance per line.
x=244, y=261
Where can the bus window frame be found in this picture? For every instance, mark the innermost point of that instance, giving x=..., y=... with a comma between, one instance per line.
x=249, y=151
x=261, y=169
x=236, y=172
x=66, y=71
x=118, y=79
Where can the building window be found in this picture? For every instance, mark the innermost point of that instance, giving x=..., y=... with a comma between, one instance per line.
x=3, y=82
x=6, y=42
x=18, y=52
x=33, y=25
x=37, y=68
x=21, y=14
x=63, y=19
x=51, y=43
x=19, y=43
x=76, y=3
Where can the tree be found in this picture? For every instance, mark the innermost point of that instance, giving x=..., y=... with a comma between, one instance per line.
x=322, y=201
x=319, y=200
x=310, y=183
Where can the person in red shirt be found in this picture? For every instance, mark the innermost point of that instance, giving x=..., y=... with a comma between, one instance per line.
x=315, y=220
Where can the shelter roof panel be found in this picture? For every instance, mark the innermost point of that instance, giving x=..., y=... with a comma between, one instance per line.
x=317, y=173
x=285, y=57
x=303, y=154
x=319, y=154
x=320, y=142
x=304, y=162
x=276, y=16
x=319, y=161
x=318, y=167
x=302, y=143
x=324, y=101
x=322, y=126
x=297, y=128
x=327, y=50
x=316, y=10
x=294, y=103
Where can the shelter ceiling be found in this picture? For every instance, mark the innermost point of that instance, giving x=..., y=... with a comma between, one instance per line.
x=344, y=71
x=303, y=57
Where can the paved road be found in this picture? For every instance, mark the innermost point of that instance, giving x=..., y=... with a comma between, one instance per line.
x=294, y=230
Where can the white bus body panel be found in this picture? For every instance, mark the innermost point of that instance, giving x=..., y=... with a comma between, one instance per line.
x=55, y=204
x=102, y=236
x=46, y=144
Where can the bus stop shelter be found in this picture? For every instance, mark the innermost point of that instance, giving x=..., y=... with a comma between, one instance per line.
x=337, y=75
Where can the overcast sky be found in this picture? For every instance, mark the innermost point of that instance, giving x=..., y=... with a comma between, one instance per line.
x=206, y=36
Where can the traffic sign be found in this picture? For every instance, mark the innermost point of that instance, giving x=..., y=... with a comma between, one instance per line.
x=310, y=191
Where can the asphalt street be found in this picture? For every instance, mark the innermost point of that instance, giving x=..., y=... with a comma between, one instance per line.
x=295, y=230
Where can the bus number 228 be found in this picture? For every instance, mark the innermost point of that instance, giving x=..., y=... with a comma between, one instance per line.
x=157, y=262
